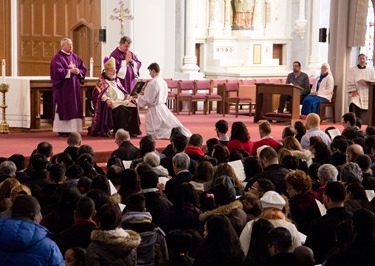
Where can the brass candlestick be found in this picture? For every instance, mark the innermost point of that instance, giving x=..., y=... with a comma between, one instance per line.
x=4, y=126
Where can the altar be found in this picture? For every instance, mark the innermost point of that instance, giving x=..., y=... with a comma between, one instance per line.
x=29, y=101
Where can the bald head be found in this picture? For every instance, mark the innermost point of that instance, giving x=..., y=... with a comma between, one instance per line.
x=312, y=120
x=353, y=151
x=74, y=139
x=304, y=255
x=122, y=135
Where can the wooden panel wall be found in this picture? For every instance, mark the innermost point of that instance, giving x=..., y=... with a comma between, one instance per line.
x=43, y=23
x=5, y=41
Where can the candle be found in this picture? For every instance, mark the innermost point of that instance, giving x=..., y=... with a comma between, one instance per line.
x=91, y=67
x=3, y=69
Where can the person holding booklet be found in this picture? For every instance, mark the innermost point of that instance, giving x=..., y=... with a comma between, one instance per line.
x=113, y=107
x=159, y=119
x=358, y=88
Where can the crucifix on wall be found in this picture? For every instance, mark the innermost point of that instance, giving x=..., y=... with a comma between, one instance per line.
x=121, y=14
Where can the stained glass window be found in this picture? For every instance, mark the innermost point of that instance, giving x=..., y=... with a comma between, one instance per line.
x=369, y=48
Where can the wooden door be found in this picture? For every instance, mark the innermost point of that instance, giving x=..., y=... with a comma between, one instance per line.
x=278, y=53
x=5, y=43
x=43, y=23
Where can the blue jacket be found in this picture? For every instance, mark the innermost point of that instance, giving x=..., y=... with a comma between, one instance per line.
x=24, y=242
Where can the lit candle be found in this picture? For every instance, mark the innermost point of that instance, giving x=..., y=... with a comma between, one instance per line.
x=3, y=69
x=91, y=67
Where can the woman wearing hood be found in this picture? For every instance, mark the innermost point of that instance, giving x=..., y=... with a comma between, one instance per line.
x=110, y=244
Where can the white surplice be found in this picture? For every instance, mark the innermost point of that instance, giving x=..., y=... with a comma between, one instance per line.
x=355, y=75
x=159, y=119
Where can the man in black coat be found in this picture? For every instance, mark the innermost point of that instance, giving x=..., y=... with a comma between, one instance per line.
x=272, y=170
x=79, y=234
x=126, y=150
x=181, y=163
x=321, y=236
x=156, y=201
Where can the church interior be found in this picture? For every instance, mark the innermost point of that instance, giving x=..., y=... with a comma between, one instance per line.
x=219, y=41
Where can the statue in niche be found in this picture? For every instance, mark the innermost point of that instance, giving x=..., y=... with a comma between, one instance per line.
x=243, y=14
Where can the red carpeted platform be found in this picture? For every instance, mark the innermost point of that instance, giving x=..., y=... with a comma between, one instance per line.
x=24, y=143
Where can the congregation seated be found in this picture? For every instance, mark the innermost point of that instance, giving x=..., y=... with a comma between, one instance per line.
x=195, y=205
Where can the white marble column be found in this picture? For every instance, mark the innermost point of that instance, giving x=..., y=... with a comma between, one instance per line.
x=315, y=59
x=190, y=60
x=227, y=22
x=339, y=53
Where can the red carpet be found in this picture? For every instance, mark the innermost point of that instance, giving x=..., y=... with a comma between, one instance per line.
x=25, y=142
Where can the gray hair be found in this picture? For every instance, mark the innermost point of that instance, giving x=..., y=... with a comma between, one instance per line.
x=351, y=172
x=181, y=161
x=152, y=159
x=8, y=169
x=63, y=40
x=122, y=135
x=327, y=172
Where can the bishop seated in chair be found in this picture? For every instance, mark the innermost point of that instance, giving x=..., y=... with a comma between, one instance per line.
x=113, y=107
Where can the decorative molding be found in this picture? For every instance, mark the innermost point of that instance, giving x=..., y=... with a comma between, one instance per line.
x=300, y=28
x=301, y=23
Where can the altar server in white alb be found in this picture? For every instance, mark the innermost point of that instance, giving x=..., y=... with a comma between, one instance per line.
x=358, y=89
x=159, y=119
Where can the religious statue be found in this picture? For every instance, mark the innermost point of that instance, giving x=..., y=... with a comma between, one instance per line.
x=243, y=14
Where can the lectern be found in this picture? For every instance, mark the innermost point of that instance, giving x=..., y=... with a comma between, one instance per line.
x=371, y=104
x=263, y=108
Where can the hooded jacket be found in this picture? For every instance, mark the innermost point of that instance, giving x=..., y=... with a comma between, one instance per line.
x=24, y=242
x=109, y=247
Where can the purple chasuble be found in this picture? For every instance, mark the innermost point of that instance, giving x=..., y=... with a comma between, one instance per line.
x=129, y=81
x=66, y=92
x=102, y=121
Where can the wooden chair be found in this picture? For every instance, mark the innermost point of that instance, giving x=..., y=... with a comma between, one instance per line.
x=261, y=81
x=229, y=99
x=172, y=93
x=323, y=106
x=206, y=87
x=275, y=81
x=248, y=82
x=186, y=93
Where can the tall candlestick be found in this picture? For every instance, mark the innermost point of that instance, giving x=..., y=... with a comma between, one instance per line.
x=91, y=67
x=3, y=69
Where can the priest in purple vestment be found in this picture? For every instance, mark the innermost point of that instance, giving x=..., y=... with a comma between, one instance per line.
x=113, y=107
x=67, y=71
x=127, y=64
